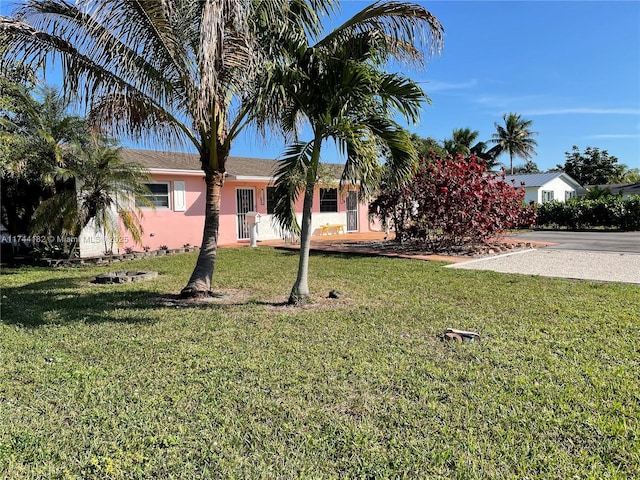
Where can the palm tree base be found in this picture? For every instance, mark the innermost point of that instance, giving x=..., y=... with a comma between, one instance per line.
x=194, y=292
x=298, y=300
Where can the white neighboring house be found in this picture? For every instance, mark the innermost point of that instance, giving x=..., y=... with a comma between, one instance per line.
x=545, y=187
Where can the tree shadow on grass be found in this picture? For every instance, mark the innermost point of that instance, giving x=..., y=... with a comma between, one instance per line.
x=68, y=300
x=220, y=299
x=326, y=252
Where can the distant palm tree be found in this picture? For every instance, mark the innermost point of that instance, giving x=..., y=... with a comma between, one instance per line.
x=515, y=137
x=165, y=71
x=102, y=189
x=625, y=174
x=337, y=86
x=463, y=142
x=529, y=167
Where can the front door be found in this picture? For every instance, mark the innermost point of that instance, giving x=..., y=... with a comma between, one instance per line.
x=244, y=203
x=352, y=211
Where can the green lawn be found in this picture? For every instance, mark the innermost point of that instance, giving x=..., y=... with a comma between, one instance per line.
x=109, y=382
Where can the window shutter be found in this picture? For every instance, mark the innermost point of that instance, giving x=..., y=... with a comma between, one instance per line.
x=179, y=196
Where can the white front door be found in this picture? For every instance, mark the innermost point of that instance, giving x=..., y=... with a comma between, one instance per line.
x=244, y=203
x=352, y=211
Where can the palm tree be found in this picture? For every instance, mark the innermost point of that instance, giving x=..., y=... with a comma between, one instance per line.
x=101, y=184
x=338, y=88
x=515, y=137
x=463, y=142
x=34, y=128
x=529, y=167
x=165, y=71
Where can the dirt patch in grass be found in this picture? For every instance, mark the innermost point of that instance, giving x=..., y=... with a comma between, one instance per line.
x=219, y=297
x=228, y=297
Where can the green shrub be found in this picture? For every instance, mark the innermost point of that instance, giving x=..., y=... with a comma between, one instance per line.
x=611, y=211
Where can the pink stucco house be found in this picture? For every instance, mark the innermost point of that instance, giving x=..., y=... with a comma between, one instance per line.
x=178, y=190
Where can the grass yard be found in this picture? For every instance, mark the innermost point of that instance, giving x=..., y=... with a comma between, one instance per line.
x=110, y=382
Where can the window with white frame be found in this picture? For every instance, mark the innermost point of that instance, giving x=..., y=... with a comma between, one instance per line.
x=158, y=196
x=547, y=196
x=569, y=194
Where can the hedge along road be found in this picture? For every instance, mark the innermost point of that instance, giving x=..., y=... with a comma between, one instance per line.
x=603, y=256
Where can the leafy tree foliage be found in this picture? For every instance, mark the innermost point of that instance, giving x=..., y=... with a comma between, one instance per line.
x=624, y=175
x=591, y=167
x=34, y=130
x=425, y=147
x=451, y=202
x=528, y=167
x=101, y=191
x=631, y=175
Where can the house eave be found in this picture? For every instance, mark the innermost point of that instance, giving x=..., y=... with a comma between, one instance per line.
x=249, y=178
x=176, y=171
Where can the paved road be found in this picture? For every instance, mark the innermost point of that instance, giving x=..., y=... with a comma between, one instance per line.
x=591, y=241
x=603, y=256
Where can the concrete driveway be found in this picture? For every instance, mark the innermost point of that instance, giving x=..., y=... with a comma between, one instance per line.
x=602, y=256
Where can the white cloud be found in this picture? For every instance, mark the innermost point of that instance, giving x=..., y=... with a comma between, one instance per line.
x=443, y=86
x=616, y=135
x=583, y=111
x=504, y=101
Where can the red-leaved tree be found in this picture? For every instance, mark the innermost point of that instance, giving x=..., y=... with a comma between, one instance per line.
x=453, y=202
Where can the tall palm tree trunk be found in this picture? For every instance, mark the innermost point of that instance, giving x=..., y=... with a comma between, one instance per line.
x=199, y=284
x=300, y=291
x=511, y=161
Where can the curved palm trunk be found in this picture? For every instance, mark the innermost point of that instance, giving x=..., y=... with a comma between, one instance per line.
x=200, y=282
x=300, y=292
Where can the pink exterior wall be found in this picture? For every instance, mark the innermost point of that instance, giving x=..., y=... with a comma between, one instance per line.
x=166, y=226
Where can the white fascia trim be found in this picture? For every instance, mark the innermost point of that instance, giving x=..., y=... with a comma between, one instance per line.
x=249, y=178
x=176, y=171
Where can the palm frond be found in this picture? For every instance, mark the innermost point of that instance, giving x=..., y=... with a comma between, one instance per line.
x=406, y=30
x=403, y=95
x=290, y=180
x=135, y=115
x=132, y=222
x=58, y=214
x=402, y=154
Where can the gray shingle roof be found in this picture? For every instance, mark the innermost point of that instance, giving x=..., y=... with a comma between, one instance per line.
x=236, y=166
x=164, y=160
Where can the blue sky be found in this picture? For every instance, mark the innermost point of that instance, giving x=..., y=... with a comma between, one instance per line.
x=572, y=67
